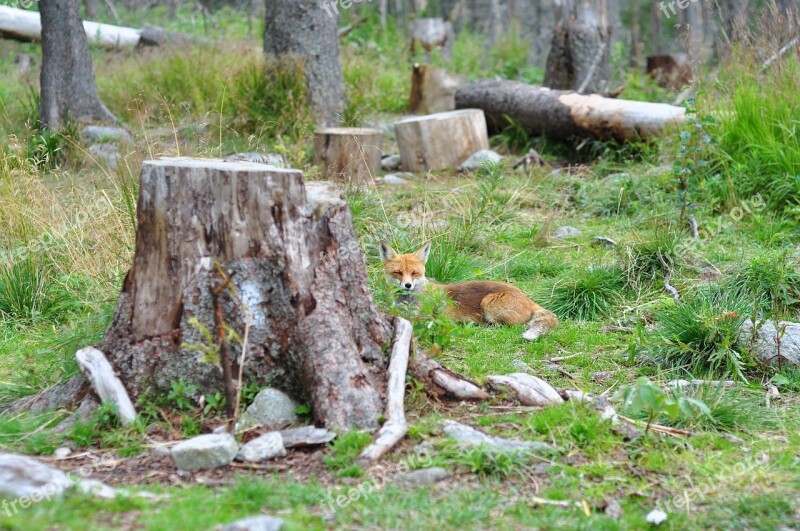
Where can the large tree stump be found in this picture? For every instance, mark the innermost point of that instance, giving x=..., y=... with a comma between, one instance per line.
x=442, y=140
x=292, y=257
x=562, y=115
x=348, y=154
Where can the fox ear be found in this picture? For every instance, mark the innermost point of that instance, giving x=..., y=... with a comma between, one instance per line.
x=387, y=253
x=423, y=252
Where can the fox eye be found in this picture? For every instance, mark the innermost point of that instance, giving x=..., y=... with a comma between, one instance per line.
x=397, y=275
x=414, y=275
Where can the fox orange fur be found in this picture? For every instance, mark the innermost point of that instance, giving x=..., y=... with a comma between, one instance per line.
x=477, y=301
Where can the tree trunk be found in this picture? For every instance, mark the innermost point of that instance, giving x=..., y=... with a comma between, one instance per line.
x=217, y=242
x=564, y=115
x=348, y=154
x=68, y=92
x=307, y=28
x=440, y=141
x=580, y=56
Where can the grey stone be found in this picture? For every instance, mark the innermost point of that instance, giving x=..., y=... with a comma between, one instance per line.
x=25, y=476
x=262, y=448
x=566, y=232
x=395, y=178
x=602, y=240
x=256, y=523
x=270, y=407
x=98, y=489
x=521, y=366
x=423, y=476
x=270, y=159
x=205, y=451
x=763, y=342
x=160, y=452
x=105, y=134
x=391, y=163
x=477, y=159
x=467, y=436
x=306, y=436
x=424, y=448
x=62, y=452
x=105, y=154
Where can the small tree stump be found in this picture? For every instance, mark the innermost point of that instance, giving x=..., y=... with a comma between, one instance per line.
x=349, y=155
x=431, y=34
x=442, y=140
x=214, y=236
x=433, y=89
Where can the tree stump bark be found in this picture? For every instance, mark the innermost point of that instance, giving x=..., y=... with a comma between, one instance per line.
x=433, y=89
x=349, y=155
x=442, y=140
x=563, y=115
x=580, y=55
x=217, y=242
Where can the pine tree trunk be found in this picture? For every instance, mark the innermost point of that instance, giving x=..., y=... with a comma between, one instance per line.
x=68, y=92
x=291, y=254
x=308, y=29
x=580, y=56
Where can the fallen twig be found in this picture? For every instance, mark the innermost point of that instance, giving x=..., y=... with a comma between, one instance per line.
x=395, y=426
x=657, y=427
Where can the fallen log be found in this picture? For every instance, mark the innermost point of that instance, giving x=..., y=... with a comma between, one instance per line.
x=563, y=115
x=25, y=25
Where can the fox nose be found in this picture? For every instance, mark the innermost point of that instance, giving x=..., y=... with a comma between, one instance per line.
x=408, y=285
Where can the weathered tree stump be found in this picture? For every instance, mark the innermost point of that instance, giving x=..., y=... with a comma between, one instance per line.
x=215, y=237
x=433, y=89
x=671, y=71
x=348, y=154
x=442, y=140
x=562, y=115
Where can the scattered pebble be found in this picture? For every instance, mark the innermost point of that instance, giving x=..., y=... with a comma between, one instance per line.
x=566, y=232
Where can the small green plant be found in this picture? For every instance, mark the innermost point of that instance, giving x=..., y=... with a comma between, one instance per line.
x=215, y=403
x=427, y=313
x=180, y=395
x=488, y=462
x=690, y=165
x=646, y=399
x=344, y=451
x=700, y=334
x=587, y=294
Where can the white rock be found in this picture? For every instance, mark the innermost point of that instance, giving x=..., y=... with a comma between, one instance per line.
x=395, y=178
x=306, y=436
x=97, y=489
x=391, y=162
x=566, y=232
x=468, y=436
x=25, y=476
x=205, y=451
x=62, y=452
x=256, y=523
x=656, y=517
x=269, y=408
x=423, y=476
x=262, y=448
x=477, y=159
x=767, y=336
x=105, y=134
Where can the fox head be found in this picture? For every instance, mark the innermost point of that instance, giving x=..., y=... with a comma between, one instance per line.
x=407, y=271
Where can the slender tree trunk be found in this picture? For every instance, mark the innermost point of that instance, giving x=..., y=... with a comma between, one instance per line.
x=580, y=57
x=69, y=92
x=308, y=29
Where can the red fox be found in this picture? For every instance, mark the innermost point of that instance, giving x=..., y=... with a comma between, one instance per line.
x=478, y=301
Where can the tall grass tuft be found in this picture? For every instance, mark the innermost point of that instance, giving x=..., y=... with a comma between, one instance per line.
x=588, y=294
x=772, y=281
x=646, y=261
x=758, y=134
x=700, y=333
